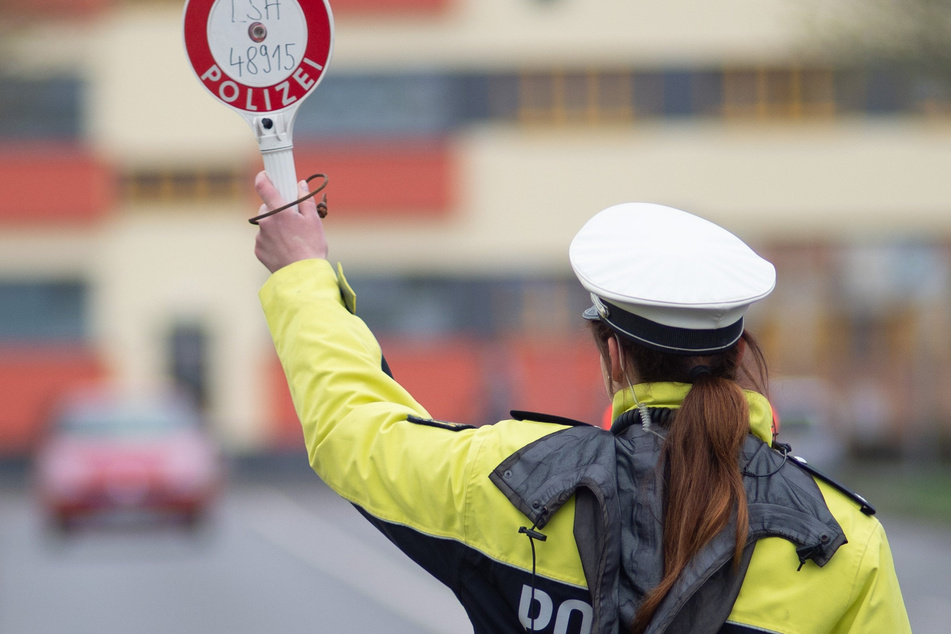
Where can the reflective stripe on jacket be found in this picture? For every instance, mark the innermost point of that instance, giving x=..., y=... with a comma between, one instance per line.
x=427, y=487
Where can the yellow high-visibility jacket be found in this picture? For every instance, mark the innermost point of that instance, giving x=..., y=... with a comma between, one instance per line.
x=426, y=485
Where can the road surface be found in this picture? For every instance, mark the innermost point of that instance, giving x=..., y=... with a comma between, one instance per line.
x=286, y=555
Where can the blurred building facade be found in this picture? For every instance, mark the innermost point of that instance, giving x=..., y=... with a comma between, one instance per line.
x=466, y=142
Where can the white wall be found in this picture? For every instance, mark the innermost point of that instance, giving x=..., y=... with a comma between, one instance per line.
x=519, y=33
x=154, y=270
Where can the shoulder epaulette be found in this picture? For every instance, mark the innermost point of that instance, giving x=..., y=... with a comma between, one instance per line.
x=517, y=414
x=864, y=505
x=441, y=424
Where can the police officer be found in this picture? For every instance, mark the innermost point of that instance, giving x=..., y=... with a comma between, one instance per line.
x=684, y=517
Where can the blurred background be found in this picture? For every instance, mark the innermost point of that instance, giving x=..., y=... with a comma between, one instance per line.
x=466, y=142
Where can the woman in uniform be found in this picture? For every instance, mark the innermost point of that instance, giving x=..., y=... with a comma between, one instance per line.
x=685, y=516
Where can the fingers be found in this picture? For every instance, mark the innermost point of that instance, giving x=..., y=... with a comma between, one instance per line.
x=273, y=199
x=267, y=191
x=309, y=205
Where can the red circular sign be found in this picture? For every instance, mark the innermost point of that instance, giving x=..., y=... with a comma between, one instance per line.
x=259, y=56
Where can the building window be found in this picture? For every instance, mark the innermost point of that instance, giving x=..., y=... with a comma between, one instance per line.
x=377, y=104
x=40, y=109
x=176, y=185
x=432, y=104
x=575, y=97
x=597, y=97
x=678, y=93
x=766, y=93
x=32, y=311
x=416, y=305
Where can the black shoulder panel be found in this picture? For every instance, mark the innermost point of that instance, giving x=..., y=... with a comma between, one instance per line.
x=864, y=505
x=441, y=424
x=385, y=367
x=546, y=418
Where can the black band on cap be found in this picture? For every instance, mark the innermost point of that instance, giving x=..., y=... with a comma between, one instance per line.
x=670, y=338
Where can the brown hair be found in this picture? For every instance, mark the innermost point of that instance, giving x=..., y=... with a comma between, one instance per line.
x=704, y=486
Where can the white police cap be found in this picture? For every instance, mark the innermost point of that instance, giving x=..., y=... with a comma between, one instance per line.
x=668, y=279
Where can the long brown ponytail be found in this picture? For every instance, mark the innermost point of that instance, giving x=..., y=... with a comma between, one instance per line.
x=704, y=486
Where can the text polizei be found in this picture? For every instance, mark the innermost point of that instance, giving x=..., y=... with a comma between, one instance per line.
x=267, y=98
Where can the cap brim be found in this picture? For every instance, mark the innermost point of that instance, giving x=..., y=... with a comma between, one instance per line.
x=669, y=339
x=592, y=314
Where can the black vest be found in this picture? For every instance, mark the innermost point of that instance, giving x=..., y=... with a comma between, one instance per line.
x=618, y=519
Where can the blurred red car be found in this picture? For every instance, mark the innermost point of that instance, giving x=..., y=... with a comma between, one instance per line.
x=110, y=454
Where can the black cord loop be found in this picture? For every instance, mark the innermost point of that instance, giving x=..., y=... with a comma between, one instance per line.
x=321, y=206
x=532, y=536
x=781, y=448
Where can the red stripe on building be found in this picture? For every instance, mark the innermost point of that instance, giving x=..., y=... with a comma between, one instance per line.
x=558, y=377
x=478, y=381
x=49, y=184
x=54, y=9
x=443, y=375
x=33, y=380
x=374, y=180
x=285, y=430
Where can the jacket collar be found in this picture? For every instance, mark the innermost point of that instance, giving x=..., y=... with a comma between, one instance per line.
x=671, y=395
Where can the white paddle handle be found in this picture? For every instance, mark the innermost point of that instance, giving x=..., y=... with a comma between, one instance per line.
x=279, y=165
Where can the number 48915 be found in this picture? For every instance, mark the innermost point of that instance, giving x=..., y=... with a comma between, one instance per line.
x=260, y=59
